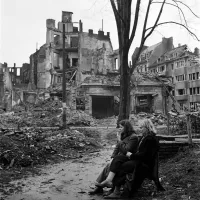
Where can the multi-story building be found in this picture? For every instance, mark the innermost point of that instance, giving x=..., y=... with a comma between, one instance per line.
x=86, y=52
x=150, y=54
x=182, y=66
x=148, y=95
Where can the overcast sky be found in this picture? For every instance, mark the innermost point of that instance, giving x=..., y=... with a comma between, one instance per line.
x=23, y=24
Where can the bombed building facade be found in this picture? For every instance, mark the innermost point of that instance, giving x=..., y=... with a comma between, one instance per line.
x=92, y=71
x=182, y=65
x=149, y=94
x=85, y=53
x=89, y=65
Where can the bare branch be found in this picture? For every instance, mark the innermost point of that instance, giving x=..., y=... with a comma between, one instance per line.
x=143, y=37
x=144, y=31
x=137, y=9
x=156, y=22
x=177, y=6
x=145, y=21
x=187, y=7
x=180, y=12
x=172, y=22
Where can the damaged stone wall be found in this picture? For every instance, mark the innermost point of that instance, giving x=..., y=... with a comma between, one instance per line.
x=155, y=91
x=94, y=54
x=44, y=67
x=90, y=90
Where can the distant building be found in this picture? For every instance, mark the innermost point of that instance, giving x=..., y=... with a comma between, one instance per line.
x=183, y=66
x=149, y=96
x=150, y=54
x=87, y=52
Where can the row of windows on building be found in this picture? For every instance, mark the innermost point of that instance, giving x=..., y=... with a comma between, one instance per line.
x=192, y=91
x=192, y=76
x=168, y=57
x=162, y=68
x=143, y=68
x=193, y=105
x=145, y=56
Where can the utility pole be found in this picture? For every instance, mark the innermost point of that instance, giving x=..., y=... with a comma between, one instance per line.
x=188, y=117
x=64, y=82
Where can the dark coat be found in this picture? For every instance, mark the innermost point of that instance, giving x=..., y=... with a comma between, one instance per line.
x=128, y=144
x=147, y=149
x=145, y=156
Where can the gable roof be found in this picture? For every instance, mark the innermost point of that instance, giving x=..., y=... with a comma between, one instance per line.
x=151, y=48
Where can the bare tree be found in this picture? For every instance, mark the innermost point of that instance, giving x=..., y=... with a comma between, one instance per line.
x=126, y=34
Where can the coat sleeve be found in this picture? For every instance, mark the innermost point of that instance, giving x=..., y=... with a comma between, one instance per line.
x=130, y=146
x=115, y=151
x=150, y=149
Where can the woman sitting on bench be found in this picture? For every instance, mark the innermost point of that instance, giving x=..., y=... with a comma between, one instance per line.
x=122, y=165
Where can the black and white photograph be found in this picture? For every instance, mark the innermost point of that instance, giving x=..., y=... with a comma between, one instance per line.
x=99, y=99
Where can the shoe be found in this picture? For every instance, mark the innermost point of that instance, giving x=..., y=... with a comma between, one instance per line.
x=97, y=190
x=104, y=184
x=108, y=192
x=113, y=196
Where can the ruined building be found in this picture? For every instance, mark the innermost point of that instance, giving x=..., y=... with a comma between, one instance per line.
x=148, y=95
x=182, y=66
x=86, y=51
x=90, y=66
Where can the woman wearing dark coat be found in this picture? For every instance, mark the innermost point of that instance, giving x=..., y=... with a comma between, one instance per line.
x=123, y=164
x=127, y=142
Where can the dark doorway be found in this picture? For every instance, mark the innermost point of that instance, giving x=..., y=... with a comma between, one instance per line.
x=102, y=106
x=144, y=103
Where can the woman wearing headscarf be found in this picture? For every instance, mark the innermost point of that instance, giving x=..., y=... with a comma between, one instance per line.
x=127, y=142
x=121, y=165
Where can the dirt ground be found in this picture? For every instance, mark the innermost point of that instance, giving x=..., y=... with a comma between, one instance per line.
x=72, y=179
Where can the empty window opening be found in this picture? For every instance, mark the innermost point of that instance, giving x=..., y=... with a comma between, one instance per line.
x=181, y=91
x=197, y=75
x=56, y=39
x=194, y=90
x=55, y=59
x=80, y=103
x=74, y=62
x=116, y=64
x=197, y=90
x=193, y=76
x=74, y=42
x=172, y=65
x=18, y=71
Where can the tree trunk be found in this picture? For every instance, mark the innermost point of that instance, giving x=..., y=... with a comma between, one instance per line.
x=124, y=108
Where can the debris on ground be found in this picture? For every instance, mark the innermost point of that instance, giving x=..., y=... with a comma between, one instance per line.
x=31, y=146
x=177, y=123
x=46, y=113
x=180, y=176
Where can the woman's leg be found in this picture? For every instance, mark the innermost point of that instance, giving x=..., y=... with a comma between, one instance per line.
x=120, y=177
x=104, y=174
x=117, y=163
x=115, y=167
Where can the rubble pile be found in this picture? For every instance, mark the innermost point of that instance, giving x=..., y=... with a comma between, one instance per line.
x=177, y=123
x=46, y=113
x=28, y=147
x=78, y=118
x=156, y=118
